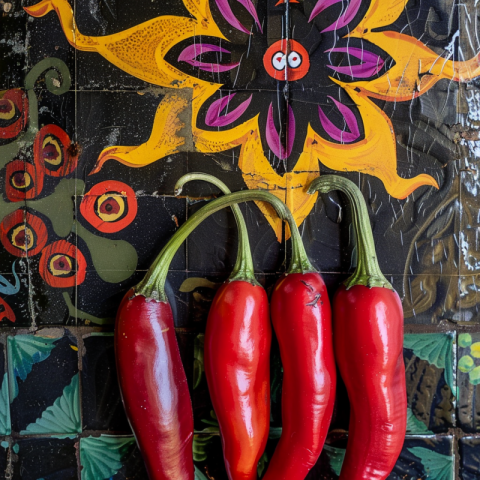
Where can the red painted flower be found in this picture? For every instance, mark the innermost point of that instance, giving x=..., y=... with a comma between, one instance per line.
x=13, y=113
x=23, y=234
x=6, y=312
x=109, y=206
x=23, y=180
x=62, y=265
x=52, y=148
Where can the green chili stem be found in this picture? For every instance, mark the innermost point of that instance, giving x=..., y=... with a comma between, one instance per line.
x=153, y=285
x=368, y=271
x=243, y=269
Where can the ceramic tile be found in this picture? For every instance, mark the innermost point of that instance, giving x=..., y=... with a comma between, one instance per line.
x=430, y=299
x=44, y=458
x=469, y=458
x=123, y=121
x=44, y=383
x=430, y=366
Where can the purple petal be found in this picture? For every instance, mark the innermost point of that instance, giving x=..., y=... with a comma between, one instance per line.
x=321, y=6
x=360, y=53
x=190, y=53
x=337, y=134
x=229, y=16
x=213, y=118
x=253, y=12
x=346, y=18
x=358, y=71
x=273, y=139
x=371, y=65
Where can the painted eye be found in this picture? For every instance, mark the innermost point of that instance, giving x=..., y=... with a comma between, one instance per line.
x=62, y=265
x=52, y=151
x=278, y=61
x=294, y=59
x=23, y=234
x=23, y=180
x=109, y=206
x=7, y=109
x=13, y=113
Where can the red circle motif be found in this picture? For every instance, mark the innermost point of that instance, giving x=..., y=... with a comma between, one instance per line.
x=23, y=234
x=51, y=149
x=62, y=265
x=109, y=206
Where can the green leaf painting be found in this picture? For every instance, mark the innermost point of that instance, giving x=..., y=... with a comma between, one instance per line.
x=335, y=457
x=414, y=425
x=101, y=457
x=435, y=348
x=200, y=447
x=5, y=428
x=23, y=352
x=436, y=465
x=63, y=416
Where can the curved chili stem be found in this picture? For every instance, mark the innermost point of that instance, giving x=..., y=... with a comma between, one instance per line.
x=368, y=271
x=153, y=285
x=243, y=269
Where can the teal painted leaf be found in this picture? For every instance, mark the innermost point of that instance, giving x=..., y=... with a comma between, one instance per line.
x=101, y=457
x=198, y=475
x=23, y=352
x=5, y=428
x=63, y=416
x=435, y=348
x=335, y=457
x=414, y=425
x=436, y=465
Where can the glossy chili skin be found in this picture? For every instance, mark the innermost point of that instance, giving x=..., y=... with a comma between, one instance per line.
x=237, y=367
x=154, y=387
x=368, y=341
x=301, y=316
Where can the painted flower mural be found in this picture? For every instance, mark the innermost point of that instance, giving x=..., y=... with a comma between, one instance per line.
x=333, y=58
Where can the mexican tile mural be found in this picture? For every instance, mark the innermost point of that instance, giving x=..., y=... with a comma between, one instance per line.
x=105, y=104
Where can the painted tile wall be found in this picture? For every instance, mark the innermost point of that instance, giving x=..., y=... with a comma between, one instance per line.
x=93, y=136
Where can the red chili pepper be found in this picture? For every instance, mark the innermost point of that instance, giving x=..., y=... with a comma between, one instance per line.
x=237, y=356
x=301, y=317
x=152, y=380
x=154, y=387
x=368, y=341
